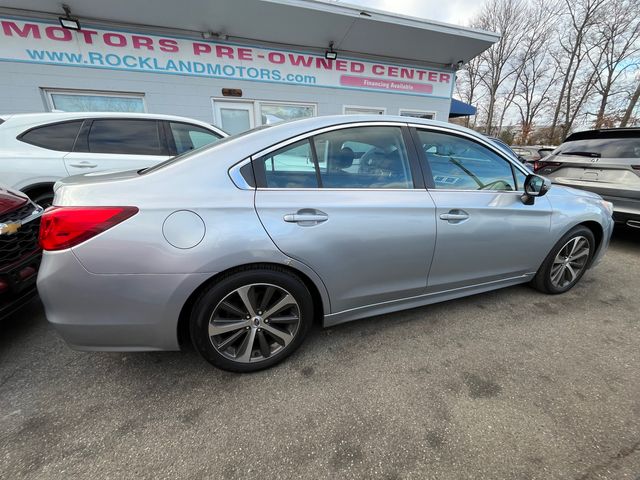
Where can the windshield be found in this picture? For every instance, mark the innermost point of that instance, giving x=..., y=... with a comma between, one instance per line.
x=602, y=147
x=190, y=153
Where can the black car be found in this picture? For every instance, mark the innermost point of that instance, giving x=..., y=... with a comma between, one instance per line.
x=19, y=249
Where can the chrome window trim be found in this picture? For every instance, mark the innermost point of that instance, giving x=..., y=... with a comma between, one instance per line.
x=284, y=189
x=237, y=178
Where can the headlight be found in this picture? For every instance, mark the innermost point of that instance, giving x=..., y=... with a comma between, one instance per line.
x=608, y=206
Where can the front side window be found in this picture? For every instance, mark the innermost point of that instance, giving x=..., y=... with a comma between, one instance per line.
x=363, y=157
x=59, y=136
x=189, y=137
x=461, y=164
x=132, y=137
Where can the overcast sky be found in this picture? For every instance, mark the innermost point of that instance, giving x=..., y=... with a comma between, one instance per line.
x=457, y=12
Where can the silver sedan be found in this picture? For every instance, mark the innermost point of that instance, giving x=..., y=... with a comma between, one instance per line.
x=240, y=246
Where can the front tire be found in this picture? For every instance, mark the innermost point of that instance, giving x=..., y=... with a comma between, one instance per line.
x=567, y=262
x=252, y=319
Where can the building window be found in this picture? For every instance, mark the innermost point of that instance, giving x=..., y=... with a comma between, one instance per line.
x=91, y=101
x=271, y=113
x=418, y=114
x=357, y=110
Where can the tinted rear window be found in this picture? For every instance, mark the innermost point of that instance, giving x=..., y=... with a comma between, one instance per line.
x=604, y=147
x=134, y=137
x=59, y=136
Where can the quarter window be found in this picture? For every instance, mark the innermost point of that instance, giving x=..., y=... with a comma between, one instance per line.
x=59, y=136
x=189, y=137
x=134, y=137
x=461, y=164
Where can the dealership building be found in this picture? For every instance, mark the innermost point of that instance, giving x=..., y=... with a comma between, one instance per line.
x=235, y=63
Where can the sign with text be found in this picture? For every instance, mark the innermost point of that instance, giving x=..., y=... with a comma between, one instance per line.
x=47, y=43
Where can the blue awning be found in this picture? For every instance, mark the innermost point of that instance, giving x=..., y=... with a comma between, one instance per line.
x=461, y=109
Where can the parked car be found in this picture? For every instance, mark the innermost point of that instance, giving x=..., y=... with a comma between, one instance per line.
x=41, y=148
x=606, y=162
x=239, y=246
x=533, y=153
x=19, y=249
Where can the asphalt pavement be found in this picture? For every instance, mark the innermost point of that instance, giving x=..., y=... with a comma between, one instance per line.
x=507, y=384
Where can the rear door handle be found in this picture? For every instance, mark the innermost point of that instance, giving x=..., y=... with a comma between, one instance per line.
x=84, y=164
x=306, y=219
x=454, y=216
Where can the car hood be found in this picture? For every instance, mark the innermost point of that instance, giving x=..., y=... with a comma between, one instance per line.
x=562, y=190
x=10, y=200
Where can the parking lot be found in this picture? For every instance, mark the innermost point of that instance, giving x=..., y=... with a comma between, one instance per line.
x=509, y=384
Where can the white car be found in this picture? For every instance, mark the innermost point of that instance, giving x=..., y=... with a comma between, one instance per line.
x=38, y=149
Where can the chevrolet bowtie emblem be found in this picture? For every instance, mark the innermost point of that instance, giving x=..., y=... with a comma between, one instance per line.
x=9, y=228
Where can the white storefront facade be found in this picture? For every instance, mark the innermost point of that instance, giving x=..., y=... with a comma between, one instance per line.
x=119, y=62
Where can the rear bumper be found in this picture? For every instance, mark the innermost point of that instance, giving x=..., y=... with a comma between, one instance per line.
x=113, y=312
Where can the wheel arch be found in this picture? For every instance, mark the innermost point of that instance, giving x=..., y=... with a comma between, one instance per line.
x=37, y=188
x=320, y=304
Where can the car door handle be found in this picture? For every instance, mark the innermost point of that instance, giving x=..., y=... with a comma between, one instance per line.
x=303, y=218
x=454, y=216
x=84, y=164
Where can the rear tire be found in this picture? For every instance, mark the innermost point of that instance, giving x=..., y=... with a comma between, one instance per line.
x=43, y=198
x=568, y=260
x=252, y=319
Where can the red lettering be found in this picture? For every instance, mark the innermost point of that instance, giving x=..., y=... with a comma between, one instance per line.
x=300, y=60
x=377, y=70
x=245, y=54
x=222, y=51
x=341, y=65
x=115, y=39
x=392, y=71
x=139, y=42
x=324, y=63
x=199, y=48
x=357, y=67
x=433, y=77
x=276, y=57
x=168, y=45
x=421, y=74
x=445, y=78
x=58, y=33
x=407, y=73
x=28, y=29
x=88, y=35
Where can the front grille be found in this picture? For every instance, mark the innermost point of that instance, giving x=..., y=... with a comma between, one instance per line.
x=24, y=242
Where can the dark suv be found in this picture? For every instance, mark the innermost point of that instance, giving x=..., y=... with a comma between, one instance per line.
x=606, y=162
x=19, y=250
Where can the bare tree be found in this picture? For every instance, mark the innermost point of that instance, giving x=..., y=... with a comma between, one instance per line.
x=575, y=41
x=617, y=46
x=632, y=105
x=507, y=18
x=469, y=85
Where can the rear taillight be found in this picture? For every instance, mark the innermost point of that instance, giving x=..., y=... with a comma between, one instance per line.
x=540, y=164
x=66, y=227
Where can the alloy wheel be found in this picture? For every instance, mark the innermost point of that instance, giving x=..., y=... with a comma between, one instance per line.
x=254, y=322
x=570, y=262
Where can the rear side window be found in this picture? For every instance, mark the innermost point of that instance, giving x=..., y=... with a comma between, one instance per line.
x=291, y=167
x=59, y=136
x=189, y=137
x=133, y=137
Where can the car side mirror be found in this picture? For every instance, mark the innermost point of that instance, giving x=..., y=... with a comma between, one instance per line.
x=534, y=186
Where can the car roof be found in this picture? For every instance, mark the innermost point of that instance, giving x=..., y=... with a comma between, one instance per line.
x=33, y=119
